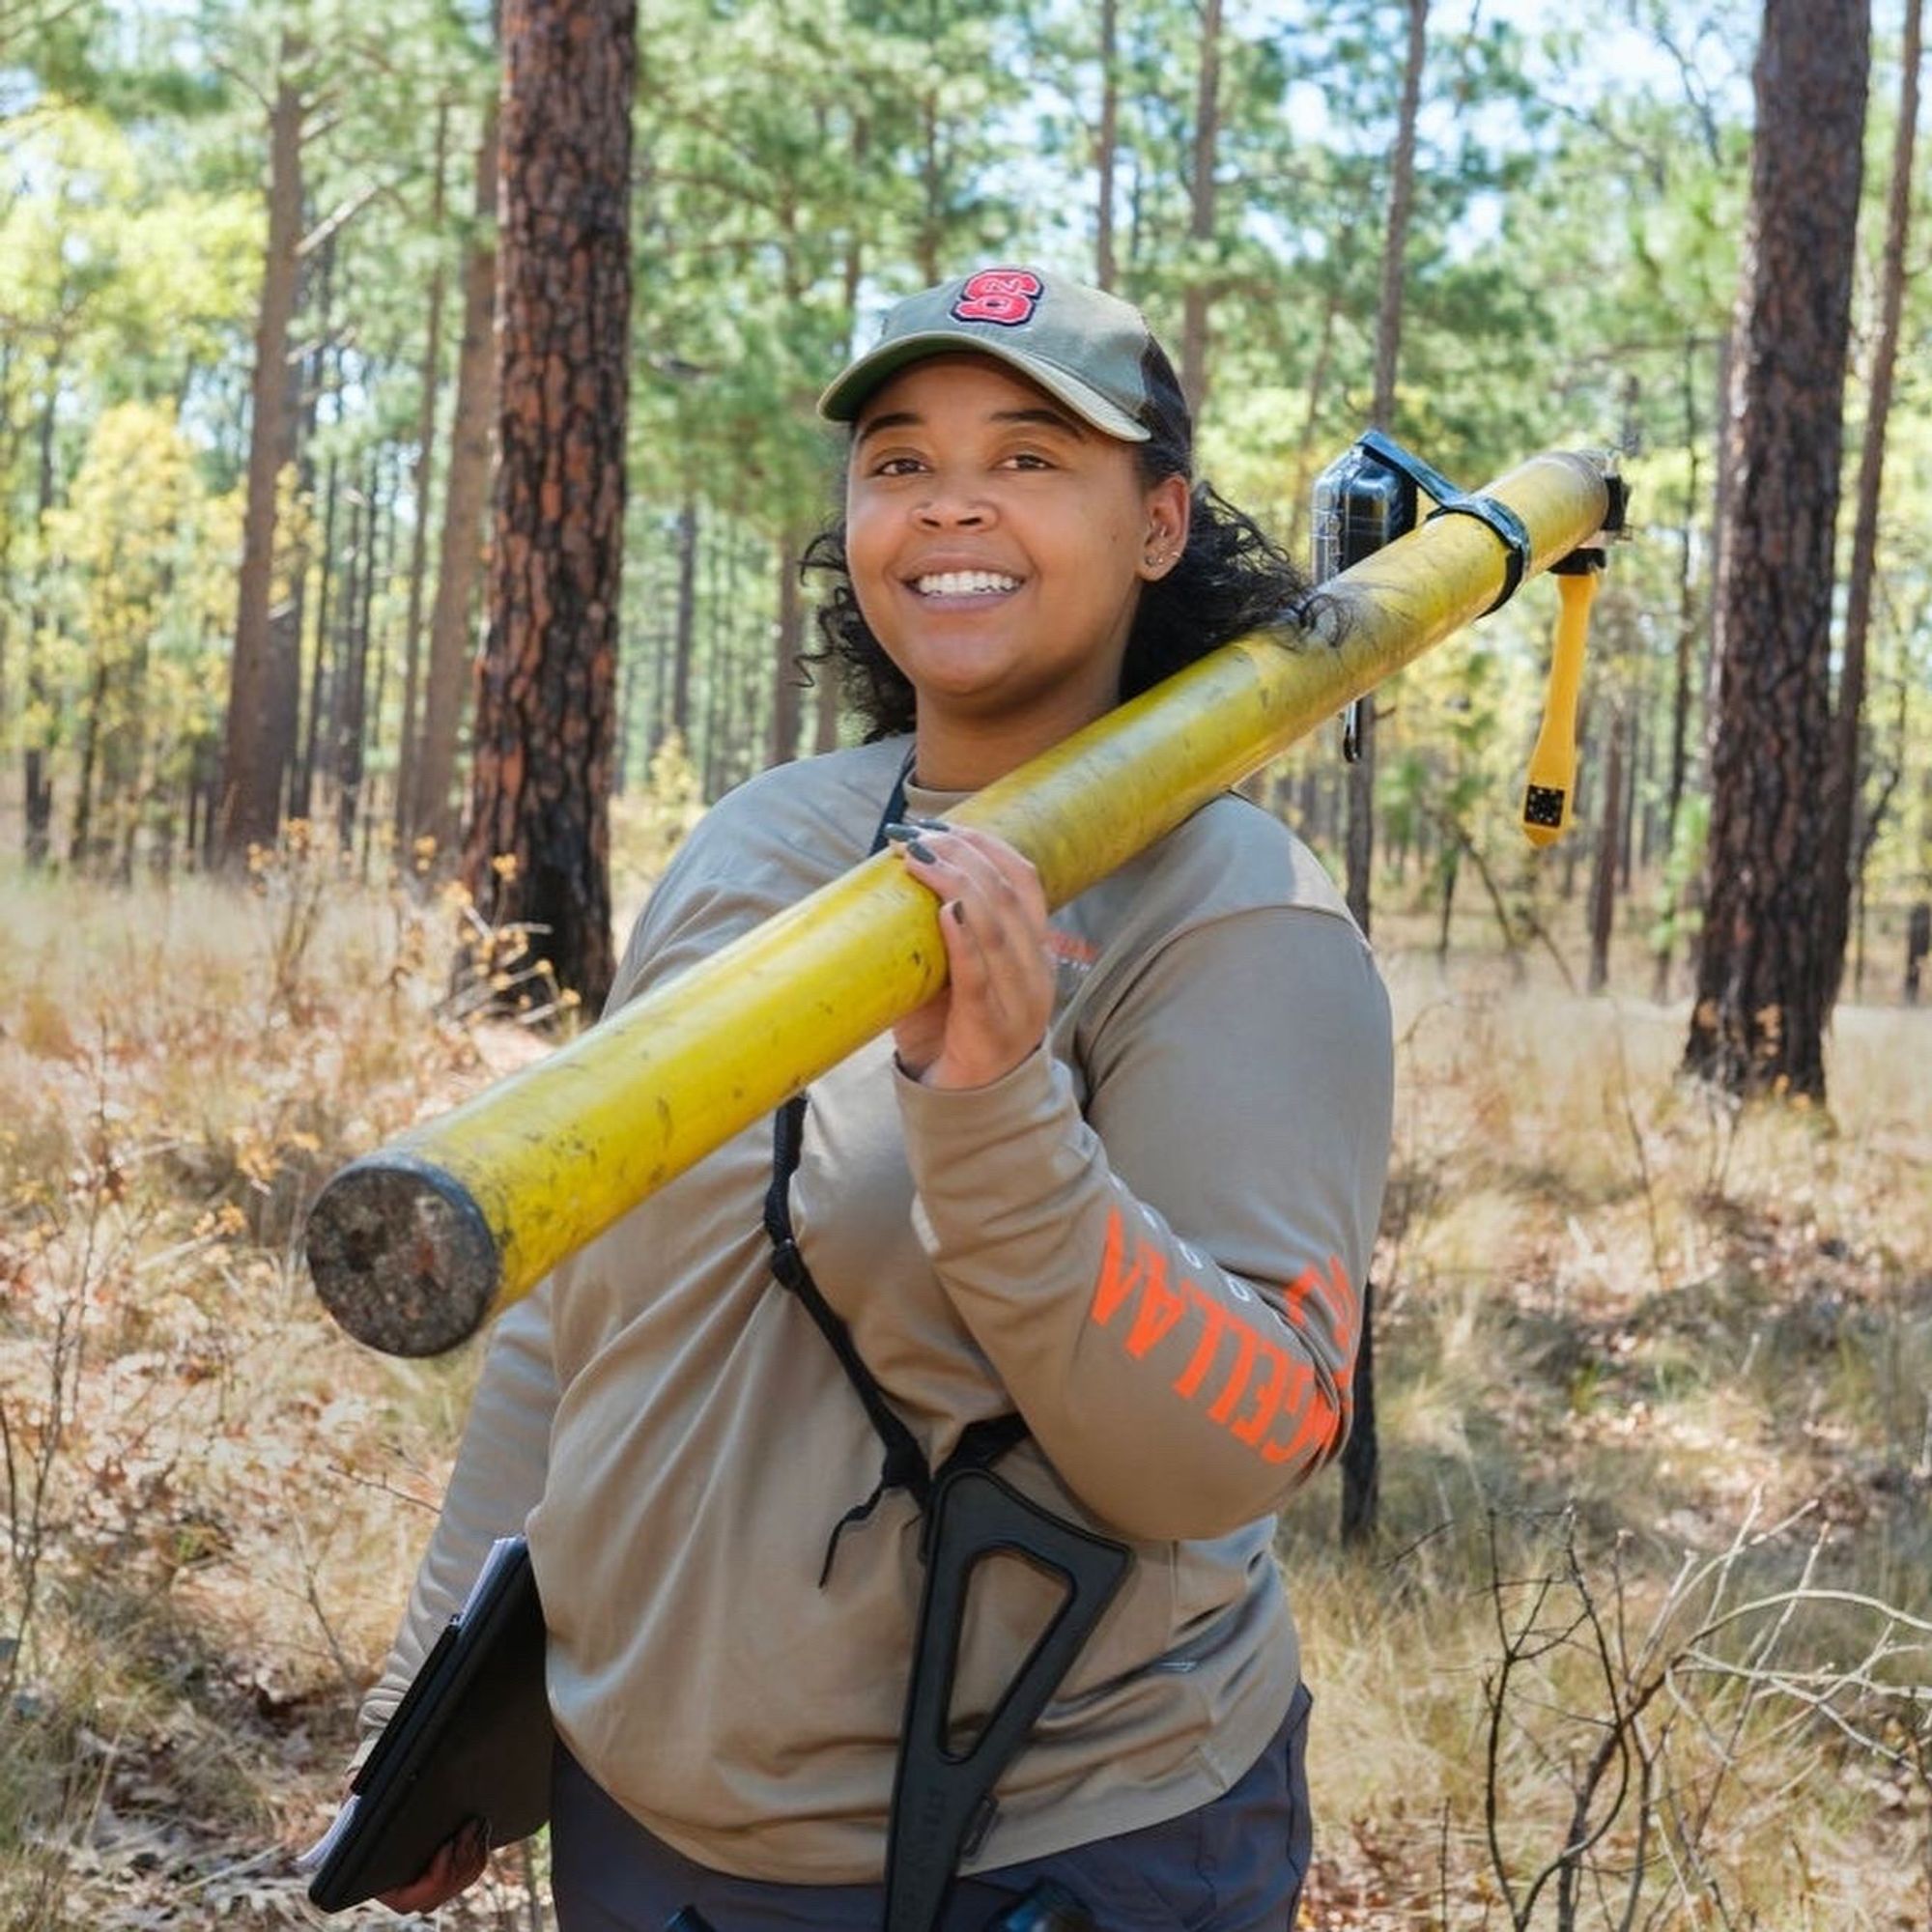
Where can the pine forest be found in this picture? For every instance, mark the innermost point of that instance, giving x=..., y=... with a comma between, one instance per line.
x=408, y=455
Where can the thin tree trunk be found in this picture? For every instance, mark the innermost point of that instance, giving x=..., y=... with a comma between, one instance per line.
x=433, y=812
x=1603, y=869
x=1105, y=148
x=1202, y=197
x=1361, y=840
x=538, y=846
x=1841, y=788
x=786, y=692
x=425, y=466
x=251, y=776
x=1762, y=986
x=352, y=687
x=684, y=638
x=39, y=802
x=302, y=804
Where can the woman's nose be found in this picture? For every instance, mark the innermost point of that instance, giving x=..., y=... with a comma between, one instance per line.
x=947, y=507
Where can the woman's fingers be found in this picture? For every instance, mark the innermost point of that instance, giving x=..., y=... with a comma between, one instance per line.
x=457, y=1865
x=993, y=919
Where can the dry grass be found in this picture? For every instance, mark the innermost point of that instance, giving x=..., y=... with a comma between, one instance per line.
x=1600, y=1290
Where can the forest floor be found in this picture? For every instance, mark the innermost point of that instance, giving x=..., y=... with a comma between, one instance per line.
x=1657, y=1441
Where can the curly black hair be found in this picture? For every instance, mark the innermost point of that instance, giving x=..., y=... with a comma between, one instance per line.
x=1230, y=579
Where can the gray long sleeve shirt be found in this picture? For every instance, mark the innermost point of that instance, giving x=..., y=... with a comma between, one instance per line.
x=1150, y=1237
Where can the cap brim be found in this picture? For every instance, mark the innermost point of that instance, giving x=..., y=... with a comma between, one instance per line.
x=846, y=397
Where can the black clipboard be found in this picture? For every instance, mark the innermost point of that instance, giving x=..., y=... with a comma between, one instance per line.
x=471, y=1738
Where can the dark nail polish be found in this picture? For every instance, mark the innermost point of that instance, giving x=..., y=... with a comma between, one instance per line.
x=930, y=824
x=898, y=834
x=959, y=912
x=924, y=853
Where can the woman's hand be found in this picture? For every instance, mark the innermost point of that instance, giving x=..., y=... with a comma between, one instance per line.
x=998, y=992
x=457, y=1865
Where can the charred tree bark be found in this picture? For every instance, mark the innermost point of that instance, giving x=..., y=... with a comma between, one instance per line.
x=256, y=737
x=1763, y=988
x=1835, y=866
x=465, y=500
x=538, y=849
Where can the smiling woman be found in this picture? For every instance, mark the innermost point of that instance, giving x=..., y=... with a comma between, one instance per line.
x=1224, y=578
x=1095, y=1219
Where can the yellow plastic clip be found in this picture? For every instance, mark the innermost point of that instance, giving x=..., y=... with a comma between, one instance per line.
x=1552, y=765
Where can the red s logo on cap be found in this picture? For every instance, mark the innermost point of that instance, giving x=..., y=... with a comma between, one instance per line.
x=1005, y=296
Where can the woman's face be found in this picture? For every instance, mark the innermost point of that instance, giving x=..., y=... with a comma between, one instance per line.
x=997, y=545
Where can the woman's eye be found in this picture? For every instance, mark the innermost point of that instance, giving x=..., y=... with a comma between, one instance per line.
x=1028, y=458
x=897, y=465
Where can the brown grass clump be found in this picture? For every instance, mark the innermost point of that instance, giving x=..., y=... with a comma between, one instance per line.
x=1646, y=1358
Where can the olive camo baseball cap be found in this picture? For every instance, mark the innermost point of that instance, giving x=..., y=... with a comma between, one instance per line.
x=1092, y=351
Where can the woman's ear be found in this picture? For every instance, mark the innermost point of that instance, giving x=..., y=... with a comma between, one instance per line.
x=1168, y=508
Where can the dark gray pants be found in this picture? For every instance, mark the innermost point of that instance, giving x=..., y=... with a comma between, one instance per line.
x=1234, y=1865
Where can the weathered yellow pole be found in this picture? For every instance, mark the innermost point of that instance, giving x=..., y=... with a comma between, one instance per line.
x=412, y=1247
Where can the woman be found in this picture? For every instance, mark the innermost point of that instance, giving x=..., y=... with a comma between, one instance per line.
x=1121, y=1178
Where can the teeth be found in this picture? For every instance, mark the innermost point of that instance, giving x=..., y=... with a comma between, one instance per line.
x=964, y=583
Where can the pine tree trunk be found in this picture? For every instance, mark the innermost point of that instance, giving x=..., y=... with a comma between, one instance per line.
x=351, y=689
x=684, y=640
x=39, y=802
x=787, y=691
x=538, y=847
x=1842, y=792
x=1362, y=838
x=1362, y=1463
x=302, y=801
x=1763, y=988
x=1603, y=869
x=1106, y=146
x=425, y=468
x=251, y=770
x=465, y=500
x=1202, y=198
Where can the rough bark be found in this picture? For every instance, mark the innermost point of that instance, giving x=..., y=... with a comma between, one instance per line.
x=465, y=500
x=256, y=738
x=538, y=846
x=1762, y=985
x=1841, y=793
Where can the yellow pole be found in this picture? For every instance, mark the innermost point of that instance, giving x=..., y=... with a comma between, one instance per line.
x=415, y=1246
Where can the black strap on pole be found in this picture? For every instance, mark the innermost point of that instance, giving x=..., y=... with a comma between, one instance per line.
x=942, y=1791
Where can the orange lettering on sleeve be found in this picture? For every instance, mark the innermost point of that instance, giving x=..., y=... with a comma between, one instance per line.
x=1213, y=1326
x=1237, y=1379
x=1255, y=1425
x=1296, y=1293
x=1160, y=1306
x=1117, y=1279
x=1317, y=1429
